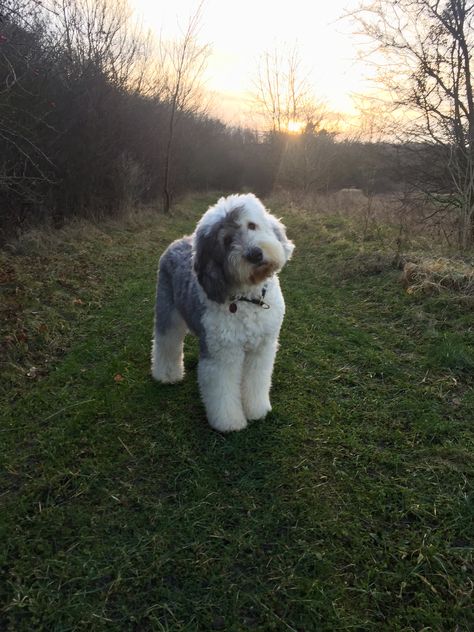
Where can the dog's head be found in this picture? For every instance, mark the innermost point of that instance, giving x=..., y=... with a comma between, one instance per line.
x=238, y=244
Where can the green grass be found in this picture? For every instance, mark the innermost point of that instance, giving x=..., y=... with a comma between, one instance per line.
x=348, y=508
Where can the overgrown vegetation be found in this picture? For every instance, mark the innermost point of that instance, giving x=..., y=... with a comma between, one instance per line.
x=427, y=49
x=94, y=121
x=349, y=507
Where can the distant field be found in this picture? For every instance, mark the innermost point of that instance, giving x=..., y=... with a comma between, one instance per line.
x=348, y=508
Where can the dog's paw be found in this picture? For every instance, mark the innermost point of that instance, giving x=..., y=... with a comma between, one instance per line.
x=257, y=410
x=167, y=375
x=228, y=424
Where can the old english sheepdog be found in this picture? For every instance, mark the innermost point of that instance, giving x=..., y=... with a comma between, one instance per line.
x=221, y=284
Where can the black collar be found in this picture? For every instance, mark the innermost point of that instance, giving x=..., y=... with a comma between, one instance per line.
x=256, y=301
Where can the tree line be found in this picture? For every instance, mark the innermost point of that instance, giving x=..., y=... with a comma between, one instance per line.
x=90, y=122
x=96, y=117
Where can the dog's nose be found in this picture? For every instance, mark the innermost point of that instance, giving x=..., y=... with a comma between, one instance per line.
x=254, y=255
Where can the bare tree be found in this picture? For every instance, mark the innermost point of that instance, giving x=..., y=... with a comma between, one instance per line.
x=68, y=72
x=25, y=165
x=294, y=119
x=184, y=62
x=98, y=36
x=283, y=94
x=373, y=122
x=427, y=47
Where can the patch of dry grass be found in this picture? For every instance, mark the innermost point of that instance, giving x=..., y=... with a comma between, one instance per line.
x=399, y=221
x=433, y=275
x=384, y=235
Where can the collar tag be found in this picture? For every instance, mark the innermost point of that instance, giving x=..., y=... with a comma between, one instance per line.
x=255, y=301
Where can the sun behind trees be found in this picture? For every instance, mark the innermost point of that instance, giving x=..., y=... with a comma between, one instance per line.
x=98, y=116
x=95, y=117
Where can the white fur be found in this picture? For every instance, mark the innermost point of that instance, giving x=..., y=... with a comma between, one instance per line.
x=167, y=362
x=235, y=384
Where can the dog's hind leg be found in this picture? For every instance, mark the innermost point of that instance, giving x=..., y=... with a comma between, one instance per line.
x=169, y=331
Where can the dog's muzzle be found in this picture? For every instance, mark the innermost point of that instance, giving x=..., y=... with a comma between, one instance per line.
x=254, y=255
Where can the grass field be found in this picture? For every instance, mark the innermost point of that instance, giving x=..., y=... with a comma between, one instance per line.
x=348, y=508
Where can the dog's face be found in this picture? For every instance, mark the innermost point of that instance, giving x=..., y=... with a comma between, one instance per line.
x=238, y=244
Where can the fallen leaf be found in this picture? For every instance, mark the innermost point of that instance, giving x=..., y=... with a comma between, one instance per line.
x=118, y=378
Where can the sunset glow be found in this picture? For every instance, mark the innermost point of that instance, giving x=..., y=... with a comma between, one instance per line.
x=296, y=127
x=239, y=33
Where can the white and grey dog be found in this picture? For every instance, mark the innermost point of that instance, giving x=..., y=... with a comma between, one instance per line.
x=221, y=284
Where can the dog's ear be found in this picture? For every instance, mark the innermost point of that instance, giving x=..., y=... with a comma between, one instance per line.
x=280, y=231
x=209, y=263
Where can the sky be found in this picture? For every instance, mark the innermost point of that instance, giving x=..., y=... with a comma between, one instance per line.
x=240, y=31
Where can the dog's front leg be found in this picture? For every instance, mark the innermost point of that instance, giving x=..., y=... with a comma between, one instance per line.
x=220, y=377
x=257, y=379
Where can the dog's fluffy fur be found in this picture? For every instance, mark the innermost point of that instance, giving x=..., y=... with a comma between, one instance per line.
x=206, y=285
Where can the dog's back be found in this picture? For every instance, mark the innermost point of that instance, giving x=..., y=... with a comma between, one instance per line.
x=177, y=288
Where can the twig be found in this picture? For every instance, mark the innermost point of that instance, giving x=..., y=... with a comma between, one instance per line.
x=58, y=412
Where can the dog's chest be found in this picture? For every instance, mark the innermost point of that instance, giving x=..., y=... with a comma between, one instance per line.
x=246, y=327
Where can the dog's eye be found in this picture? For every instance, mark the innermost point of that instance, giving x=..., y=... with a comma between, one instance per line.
x=227, y=241
x=251, y=226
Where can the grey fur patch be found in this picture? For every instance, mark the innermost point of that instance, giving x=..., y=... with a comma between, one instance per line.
x=178, y=290
x=181, y=271
x=210, y=257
